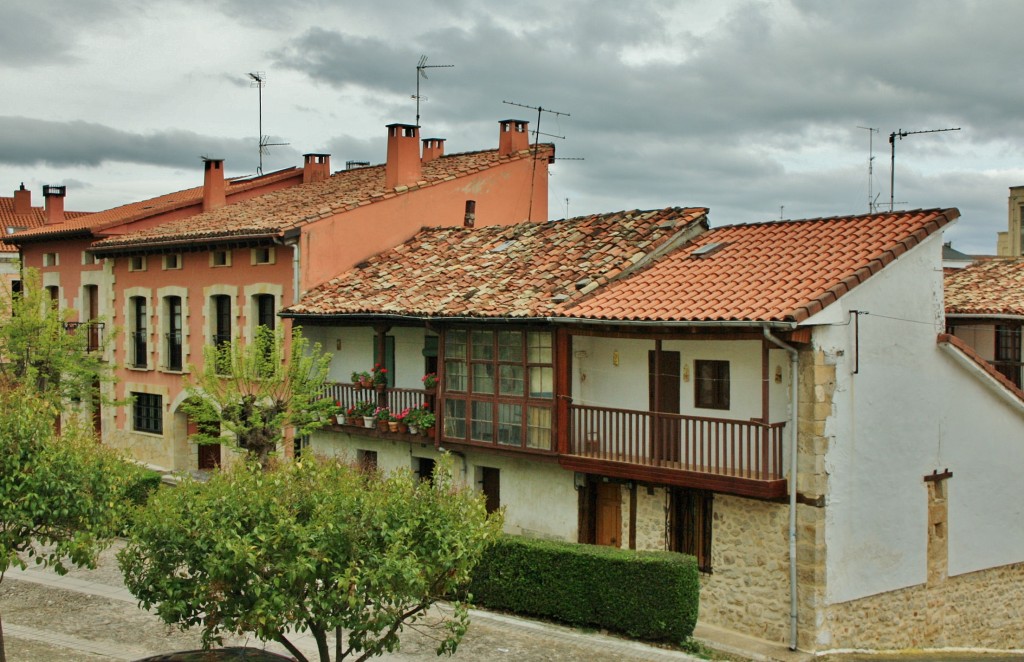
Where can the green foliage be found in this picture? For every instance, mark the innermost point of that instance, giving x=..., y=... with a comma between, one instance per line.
x=39, y=350
x=60, y=497
x=253, y=394
x=145, y=483
x=314, y=546
x=648, y=595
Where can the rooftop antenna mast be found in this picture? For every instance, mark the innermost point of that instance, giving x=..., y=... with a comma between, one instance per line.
x=901, y=134
x=872, y=198
x=259, y=79
x=536, y=136
x=421, y=73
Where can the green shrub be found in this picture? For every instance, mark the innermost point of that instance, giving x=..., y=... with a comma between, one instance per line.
x=647, y=595
x=144, y=484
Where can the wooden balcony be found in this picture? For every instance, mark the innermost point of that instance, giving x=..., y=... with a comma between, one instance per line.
x=737, y=457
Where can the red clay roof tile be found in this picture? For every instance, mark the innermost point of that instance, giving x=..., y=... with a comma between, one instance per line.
x=989, y=287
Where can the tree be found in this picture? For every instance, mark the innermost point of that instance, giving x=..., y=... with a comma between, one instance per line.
x=313, y=545
x=251, y=392
x=43, y=347
x=61, y=496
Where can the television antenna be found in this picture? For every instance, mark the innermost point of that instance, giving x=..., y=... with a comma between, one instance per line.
x=536, y=135
x=421, y=66
x=901, y=134
x=872, y=196
x=258, y=80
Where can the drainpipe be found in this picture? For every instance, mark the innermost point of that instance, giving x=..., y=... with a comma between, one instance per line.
x=794, y=362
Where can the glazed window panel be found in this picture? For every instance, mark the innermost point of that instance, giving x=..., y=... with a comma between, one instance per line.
x=510, y=380
x=455, y=345
x=538, y=428
x=482, y=428
x=455, y=376
x=510, y=425
x=455, y=419
x=542, y=382
x=483, y=378
x=539, y=347
x=711, y=387
x=482, y=343
x=147, y=413
x=510, y=346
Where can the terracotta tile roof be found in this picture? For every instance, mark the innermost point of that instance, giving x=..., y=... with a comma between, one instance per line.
x=993, y=286
x=520, y=271
x=780, y=271
x=275, y=212
x=87, y=224
x=35, y=219
x=966, y=350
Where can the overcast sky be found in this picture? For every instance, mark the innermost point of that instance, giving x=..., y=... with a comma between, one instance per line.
x=749, y=108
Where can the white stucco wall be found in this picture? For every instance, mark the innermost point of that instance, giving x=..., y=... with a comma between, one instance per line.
x=598, y=382
x=352, y=349
x=911, y=410
x=539, y=498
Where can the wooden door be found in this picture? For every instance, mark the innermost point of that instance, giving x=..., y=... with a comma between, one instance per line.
x=608, y=515
x=209, y=456
x=663, y=397
x=490, y=485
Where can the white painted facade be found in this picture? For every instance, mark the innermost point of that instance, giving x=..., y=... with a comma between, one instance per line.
x=902, y=409
x=353, y=350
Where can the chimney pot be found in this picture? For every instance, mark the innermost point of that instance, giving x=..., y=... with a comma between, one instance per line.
x=316, y=167
x=470, y=219
x=403, y=166
x=214, y=195
x=514, y=137
x=54, y=196
x=22, y=200
x=432, y=148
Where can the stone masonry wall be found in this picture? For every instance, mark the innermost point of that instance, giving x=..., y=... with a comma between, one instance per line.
x=983, y=609
x=651, y=516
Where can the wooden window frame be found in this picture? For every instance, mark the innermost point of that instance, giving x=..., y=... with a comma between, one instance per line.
x=175, y=333
x=691, y=525
x=137, y=263
x=716, y=395
x=225, y=254
x=139, y=309
x=173, y=262
x=473, y=405
x=147, y=413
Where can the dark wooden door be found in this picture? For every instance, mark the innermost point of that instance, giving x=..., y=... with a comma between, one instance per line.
x=608, y=515
x=490, y=485
x=209, y=456
x=663, y=369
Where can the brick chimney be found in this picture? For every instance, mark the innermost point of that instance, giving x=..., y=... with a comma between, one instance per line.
x=432, y=149
x=23, y=200
x=316, y=167
x=514, y=137
x=403, y=166
x=213, y=184
x=469, y=220
x=54, y=196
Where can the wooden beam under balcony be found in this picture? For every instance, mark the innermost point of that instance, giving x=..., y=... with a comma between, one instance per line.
x=735, y=457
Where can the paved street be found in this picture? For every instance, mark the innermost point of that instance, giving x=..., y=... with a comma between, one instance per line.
x=88, y=616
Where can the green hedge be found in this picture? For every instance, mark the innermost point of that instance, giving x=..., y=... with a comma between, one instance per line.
x=648, y=595
x=146, y=482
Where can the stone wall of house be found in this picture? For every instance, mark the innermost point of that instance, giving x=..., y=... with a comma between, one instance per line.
x=651, y=516
x=983, y=609
x=748, y=588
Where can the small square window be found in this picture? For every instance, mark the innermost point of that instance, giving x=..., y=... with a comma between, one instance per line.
x=147, y=413
x=220, y=259
x=263, y=255
x=137, y=263
x=172, y=261
x=89, y=258
x=51, y=259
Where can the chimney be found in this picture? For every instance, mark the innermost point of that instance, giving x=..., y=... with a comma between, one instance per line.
x=54, y=196
x=403, y=166
x=213, y=184
x=316, y=167
x=513, y=138
x=432, y=148
x=23, y=200
x=469, y=220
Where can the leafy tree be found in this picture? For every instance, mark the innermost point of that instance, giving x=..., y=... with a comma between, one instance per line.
x=61, y=497
x=251, y=392
x=313, y=545
x=43, y=347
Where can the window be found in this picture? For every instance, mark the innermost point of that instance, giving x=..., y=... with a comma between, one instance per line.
x=1008, y=352
x=367, y=460
x=53, y=292
x=172, y=309
x=711, y=387
x=220, y=259
x=264, y=306
x=172, y=261
x=147, y=413
x=263, y=255
x=221, y=310
x=424, y=468
x=490, y=484
x=389, y=359
x=138, y=338
x=51, y=259
x=89, y=258
x=499, y=387
x=137, y=263
x=691, y=524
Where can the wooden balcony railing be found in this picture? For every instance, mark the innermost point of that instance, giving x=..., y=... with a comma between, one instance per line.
x=395, y=399
x=730, y=451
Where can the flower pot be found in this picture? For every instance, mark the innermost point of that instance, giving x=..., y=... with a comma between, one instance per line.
x=365, y=383
x=402, y=427
x=355, y=420
x=429, y=431
x=382, y=426
x=367, y=421
x=413, y=429
x=340, y=418
x=393, y=426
